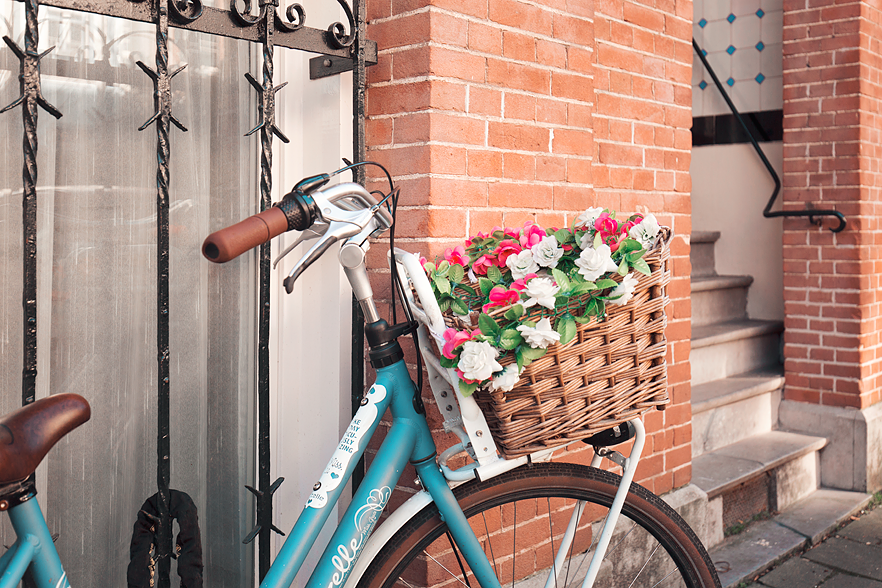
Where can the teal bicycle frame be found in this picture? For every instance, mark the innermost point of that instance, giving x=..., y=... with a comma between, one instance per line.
x=408, y=440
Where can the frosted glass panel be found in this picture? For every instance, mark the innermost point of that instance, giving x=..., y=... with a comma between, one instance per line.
x=97, y=285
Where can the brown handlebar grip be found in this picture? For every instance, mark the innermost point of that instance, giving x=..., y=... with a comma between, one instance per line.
x=228, y=243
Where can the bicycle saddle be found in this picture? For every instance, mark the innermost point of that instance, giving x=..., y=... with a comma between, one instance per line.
x=27, y=434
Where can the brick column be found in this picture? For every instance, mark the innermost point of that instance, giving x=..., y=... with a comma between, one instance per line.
x=831, y=281
x=495, y=112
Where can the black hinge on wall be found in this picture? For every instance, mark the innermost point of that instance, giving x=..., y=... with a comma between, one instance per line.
x=325, y=66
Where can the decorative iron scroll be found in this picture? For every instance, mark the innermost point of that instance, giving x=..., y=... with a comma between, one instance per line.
x=237, y=23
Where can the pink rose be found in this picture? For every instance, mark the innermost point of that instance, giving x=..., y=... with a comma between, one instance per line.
x=632, y=222
x=499, y=296
x=614, y=241
x=463, y=378
x=480, y=266
x=423, y=262
x=504, y=249
x=520, y=284
x=457, y=255
x=533, y=234
x=606, y=226
x=454, y=339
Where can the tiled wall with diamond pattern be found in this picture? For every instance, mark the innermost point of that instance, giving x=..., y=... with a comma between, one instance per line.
x=742, y=41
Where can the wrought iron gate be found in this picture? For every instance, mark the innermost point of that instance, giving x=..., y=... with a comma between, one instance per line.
x=342, y=47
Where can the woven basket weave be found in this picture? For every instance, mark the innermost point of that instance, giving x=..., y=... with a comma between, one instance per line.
x=611, y=372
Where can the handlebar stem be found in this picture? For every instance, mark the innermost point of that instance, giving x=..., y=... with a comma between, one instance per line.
x=352, y=259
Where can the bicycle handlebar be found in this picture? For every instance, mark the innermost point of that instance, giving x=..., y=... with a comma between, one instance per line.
x=336, y=213
x=295, y=212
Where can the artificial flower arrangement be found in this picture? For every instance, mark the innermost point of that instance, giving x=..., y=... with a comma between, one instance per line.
x=517, y=281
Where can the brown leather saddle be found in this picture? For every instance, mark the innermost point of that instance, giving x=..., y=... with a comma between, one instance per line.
x=27, y=434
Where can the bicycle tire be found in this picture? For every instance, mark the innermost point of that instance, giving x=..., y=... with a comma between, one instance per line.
x=401, y=562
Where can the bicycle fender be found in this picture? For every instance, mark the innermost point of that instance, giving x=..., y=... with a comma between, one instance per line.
x=386, y=531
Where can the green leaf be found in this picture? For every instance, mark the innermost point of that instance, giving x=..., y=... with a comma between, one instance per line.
x=447, y=362
x=623, y=268
x=494, y=273
x=590, y=307
x=561, y=278
x=456, y=273
x=485, y=285
x=635, y=255
x=488, y=326
x=566, y=327
x=468, y=289
x=429, y=266
x=510, y=339
x=563, y=236
x=459, y=307
x=467, y=389
x=532, y=353
x=583, y=287
x=444, y=303
x=515, y=312
x=641, y=266
x=583, y=319
x=605, y=283
x=521, y=360
x=630, y=245
x=597, y=240
x=443, y=284
x=443, y=266
x=601, y=308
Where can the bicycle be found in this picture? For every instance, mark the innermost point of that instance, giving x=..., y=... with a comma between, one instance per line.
x=450, y=531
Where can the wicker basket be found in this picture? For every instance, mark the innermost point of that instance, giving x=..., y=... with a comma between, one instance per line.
x=611, y=372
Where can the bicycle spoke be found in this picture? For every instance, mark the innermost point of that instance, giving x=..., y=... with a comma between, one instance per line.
x=441, y=565
x=644, y=565
x=492, y=556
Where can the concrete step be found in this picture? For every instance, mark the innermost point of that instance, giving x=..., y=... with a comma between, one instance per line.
x=718, y=299
x=701, y=253
x=764, y=473
x=736, y=347
x=732, y=409
x=742, y=557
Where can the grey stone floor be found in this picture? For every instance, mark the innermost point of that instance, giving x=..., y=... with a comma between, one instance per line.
x=850, y=557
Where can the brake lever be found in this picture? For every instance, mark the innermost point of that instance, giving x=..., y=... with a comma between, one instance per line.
x=316, y=231
x=337, y=230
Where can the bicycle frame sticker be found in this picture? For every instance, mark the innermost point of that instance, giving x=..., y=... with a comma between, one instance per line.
x=348, y=447
x=365, y=519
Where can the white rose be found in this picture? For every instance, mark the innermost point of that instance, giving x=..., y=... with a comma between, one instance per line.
x=522, y=264
x=477, y=361
x=625, y=289
x=540, y=336
x=593, y=263
x=540, y=291
x=588, y=217
x=646, y=231
x=506, y=380
x=586, y=241
x=547, y=252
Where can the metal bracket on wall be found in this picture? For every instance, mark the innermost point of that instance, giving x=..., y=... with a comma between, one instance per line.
x=325, y=66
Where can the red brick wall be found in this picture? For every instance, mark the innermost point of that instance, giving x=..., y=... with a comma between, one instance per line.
x=832, y=62
x=494, y=112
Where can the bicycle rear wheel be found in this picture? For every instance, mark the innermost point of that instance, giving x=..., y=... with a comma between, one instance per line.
x=520, y=518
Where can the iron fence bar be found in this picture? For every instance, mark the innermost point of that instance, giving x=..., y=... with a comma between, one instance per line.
x=163, y=118
x=30, y=98
x=359, y=153
x=811, y=214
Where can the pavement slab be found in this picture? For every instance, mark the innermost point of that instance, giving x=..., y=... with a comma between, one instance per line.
x=821, y=512
x=867, y=529
x=850, y=556
x=797, y=573
x=847, y=581
x=763, y=544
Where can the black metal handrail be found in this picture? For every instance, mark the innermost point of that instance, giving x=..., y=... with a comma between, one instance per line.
x=767, y=211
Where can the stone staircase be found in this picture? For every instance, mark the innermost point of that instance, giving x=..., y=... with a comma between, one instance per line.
x=747, y=466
